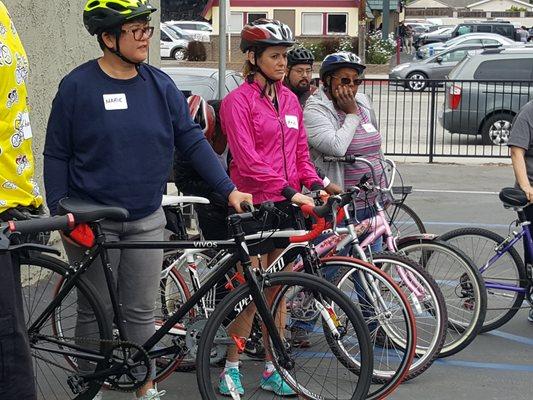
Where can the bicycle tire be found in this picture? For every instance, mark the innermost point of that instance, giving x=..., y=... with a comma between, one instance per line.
x=404, y=221
x=460, y=283
x=208, y=378
x=430, y=315
x=43, y=273
x=395, y=307
x=497, y=314
x=179, y=362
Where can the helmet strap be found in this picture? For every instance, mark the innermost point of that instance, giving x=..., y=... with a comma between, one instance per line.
x=116, y=51
x=269, y=81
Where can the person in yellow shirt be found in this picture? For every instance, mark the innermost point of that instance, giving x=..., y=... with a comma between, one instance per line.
x=19, y=195
x=19, y=192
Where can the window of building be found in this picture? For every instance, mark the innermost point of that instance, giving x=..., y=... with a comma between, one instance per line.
x=312, y=24
x=338, y=24
x=235, y=22
x=255, y=16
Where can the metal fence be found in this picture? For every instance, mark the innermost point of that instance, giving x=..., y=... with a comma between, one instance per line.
x=446, y=118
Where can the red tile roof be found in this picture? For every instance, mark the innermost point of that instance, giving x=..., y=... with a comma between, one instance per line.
x=284, y=3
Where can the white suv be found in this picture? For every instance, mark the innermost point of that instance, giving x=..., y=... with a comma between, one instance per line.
x=199, y=30
x=174, y=42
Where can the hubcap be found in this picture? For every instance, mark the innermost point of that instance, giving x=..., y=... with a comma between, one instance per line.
x=417, y=82
x=499, y=132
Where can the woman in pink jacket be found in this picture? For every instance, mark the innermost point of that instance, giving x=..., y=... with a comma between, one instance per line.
x=268, y=142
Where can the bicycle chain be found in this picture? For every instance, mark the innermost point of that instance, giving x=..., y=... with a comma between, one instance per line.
x=115, y=343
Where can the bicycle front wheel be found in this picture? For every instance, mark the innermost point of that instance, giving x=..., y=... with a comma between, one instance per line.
x=316, y=371
x=461, y=285
x=386, y=311
x=57, y=345
x=505, y=275
x=404, y=221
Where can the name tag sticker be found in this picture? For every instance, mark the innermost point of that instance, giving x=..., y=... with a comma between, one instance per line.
x=115, y=102
x=25, y=126
x=369, y=128
x=291, y=121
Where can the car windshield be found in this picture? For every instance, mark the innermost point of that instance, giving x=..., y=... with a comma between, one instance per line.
x=170, y=32
x=178, y=31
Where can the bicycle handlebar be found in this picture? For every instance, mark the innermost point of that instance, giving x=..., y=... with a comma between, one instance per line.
x=59, y=222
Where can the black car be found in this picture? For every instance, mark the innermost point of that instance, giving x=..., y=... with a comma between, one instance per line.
x=440, y=35
x=501, y=28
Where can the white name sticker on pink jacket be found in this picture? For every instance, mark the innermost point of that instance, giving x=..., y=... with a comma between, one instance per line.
x=291, y=121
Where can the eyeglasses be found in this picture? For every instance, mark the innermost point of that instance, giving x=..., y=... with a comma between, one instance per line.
x=141, y=33
x=300, y=71
x=347, y=81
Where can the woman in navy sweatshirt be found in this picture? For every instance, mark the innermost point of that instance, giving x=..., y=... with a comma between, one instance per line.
x=114, y=125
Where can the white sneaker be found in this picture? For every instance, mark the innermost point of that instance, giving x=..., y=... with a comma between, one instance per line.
x=152, y=394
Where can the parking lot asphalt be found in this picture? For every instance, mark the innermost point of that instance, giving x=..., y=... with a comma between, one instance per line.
x=497, y=365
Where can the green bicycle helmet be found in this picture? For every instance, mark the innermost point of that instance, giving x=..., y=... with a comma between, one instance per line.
x=102, y=15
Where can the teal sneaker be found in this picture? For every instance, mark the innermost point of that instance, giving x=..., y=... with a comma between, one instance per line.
x=273, y=382
x=230, y=382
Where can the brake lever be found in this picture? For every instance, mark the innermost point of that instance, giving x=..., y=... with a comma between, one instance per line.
x=334, y=225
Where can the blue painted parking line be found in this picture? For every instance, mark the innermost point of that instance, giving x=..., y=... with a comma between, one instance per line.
x=514, y=338
x=482, y=365
x=469, y=224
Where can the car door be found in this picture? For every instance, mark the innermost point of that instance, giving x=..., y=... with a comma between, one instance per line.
x=444, y=63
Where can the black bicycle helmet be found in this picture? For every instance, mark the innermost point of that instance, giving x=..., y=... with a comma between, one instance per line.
x=299, y=55
x=102, y=15
x=343, y=59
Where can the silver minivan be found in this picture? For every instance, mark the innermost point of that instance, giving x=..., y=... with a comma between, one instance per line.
x=485, y=92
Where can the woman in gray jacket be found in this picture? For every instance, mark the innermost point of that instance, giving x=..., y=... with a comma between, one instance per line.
x=339, y=121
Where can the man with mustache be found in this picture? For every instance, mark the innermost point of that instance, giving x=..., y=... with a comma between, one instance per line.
x=300, y=73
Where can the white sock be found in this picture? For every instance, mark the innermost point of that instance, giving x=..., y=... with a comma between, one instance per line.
x=230, y=364
x=269, y=367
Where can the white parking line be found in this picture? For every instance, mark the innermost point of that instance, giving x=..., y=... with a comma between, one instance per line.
x=454, y=191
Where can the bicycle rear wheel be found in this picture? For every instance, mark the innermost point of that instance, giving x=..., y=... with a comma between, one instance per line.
x=461, y=284
x=54, y=359
x=386, y=311
x=507, y=270
x=317, y=373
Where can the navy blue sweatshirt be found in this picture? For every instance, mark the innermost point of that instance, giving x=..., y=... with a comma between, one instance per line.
x=111, y=141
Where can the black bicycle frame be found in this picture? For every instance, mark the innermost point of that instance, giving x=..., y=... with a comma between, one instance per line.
x=254, y=278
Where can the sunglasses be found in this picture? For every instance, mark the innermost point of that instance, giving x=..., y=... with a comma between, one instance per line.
x=347, y=81
x=141, y=33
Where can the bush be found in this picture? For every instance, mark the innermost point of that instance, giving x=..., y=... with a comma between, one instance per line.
x=331, y=45
x=378, y=51
x=196, y=51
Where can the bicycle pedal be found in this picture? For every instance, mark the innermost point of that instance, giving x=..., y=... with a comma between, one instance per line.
x=76, y=383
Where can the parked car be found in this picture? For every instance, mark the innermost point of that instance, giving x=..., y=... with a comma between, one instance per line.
x=203, y=81
x=414, y=75
x=173, y=43
x=486, y=106
x=199, y=30
x=501, y=28
x=487, y=39
x=440, y=35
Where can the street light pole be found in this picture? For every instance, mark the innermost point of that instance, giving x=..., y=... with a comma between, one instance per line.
x=385, y=22
x=361, y=31
x=223, y=47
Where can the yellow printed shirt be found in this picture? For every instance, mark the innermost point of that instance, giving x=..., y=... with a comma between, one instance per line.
x=17, y=184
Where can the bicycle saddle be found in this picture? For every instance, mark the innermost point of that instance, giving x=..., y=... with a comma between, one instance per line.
x=513, y=197
x=87, y=211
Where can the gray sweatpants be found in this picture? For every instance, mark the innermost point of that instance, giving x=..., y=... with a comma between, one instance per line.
x=136, y=271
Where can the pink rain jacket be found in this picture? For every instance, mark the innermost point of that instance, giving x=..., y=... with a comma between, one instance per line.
x=269, y=147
